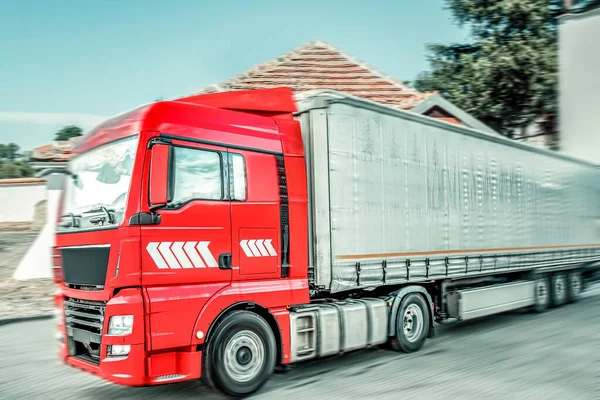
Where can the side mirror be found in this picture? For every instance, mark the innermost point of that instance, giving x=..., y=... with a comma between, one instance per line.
x=159, y=176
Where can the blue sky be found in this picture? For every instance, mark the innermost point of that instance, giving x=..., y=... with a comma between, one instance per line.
x=76, y=62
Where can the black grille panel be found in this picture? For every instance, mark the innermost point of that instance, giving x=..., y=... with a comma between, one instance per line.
x=284, y=216
x=84, y=321
x=85, y=266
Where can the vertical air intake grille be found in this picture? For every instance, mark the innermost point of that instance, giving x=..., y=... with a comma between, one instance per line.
x=284, y=217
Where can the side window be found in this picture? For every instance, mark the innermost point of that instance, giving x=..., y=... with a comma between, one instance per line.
x=196, y=175
x=238, y=177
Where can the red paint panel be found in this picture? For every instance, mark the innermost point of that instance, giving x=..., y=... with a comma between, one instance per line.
x=276, y=100
x=291, y=137
x=258, y=251
x=270, y=294
x=173, y=312
x=214, y=125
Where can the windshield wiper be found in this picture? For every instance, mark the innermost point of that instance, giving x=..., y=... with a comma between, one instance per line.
x=108, y=215
x=70, y=223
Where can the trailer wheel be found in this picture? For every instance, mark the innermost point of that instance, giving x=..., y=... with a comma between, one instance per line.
x=574, y=286
x=542, y=294
x=558, y=289
x=244, y=353
x=412, y=324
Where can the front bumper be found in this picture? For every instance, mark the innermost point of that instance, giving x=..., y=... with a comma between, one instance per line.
x=139, y=367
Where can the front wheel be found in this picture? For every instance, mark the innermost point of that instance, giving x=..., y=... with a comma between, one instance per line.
x=244, y=353
x=412, y=324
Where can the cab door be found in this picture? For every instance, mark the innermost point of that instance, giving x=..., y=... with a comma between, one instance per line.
x=191, y=243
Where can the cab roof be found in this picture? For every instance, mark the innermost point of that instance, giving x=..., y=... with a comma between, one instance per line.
x=241, y=118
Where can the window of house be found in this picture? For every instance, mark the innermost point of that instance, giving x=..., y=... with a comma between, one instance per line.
x=197, y=175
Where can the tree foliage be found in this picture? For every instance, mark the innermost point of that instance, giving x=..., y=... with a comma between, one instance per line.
x=9, y=151
x=15, y=169
x=68, y=132
x=506, y=76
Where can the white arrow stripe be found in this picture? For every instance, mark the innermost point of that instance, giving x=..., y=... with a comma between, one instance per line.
x=270, y=248
x=247, y=251
x=152, y=249
x=206, y=254
x=252, y=245
x=177, y=249
x=165, y=250
x=193, y=254
x=261, y=248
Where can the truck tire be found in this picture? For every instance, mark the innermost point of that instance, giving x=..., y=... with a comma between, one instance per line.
x=574, y=286
x=558, y=289
x=542, y=294
x=412, y=324
x=243, y=353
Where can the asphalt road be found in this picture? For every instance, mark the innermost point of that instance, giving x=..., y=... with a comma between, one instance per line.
x=555, y=355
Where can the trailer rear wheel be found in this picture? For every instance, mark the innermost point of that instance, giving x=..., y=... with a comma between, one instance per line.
x=542, y=294
x=412, y=324
x=558, y=289
x=574, y=286
x=244, y=353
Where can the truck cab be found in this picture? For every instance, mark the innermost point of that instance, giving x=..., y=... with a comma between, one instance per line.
x=172, y=214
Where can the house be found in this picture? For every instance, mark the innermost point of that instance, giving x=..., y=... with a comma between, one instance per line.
x=319, y=65
x=54, y=155
x=579, y=80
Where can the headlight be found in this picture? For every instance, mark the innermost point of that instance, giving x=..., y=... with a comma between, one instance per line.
x=118, y=350
x=120, y=325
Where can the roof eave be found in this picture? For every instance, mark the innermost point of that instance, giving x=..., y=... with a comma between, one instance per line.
x=438, y=101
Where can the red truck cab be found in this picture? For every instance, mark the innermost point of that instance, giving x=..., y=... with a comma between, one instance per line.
x=172, y=216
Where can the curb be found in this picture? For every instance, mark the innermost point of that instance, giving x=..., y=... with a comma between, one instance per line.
x=7, y=321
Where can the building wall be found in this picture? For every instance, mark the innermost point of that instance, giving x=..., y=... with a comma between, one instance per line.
x=19, y=198
x=579, y=58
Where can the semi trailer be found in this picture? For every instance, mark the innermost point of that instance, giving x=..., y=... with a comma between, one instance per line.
x=219, y=236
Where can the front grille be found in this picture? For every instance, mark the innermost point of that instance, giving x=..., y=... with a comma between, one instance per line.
x=84, y=322
x=85, y=266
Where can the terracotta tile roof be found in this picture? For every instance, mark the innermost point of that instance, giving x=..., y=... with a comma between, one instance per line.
x=318, y=65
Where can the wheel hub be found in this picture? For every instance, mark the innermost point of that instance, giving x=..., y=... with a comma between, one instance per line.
x=244, y=356
x=412, y=323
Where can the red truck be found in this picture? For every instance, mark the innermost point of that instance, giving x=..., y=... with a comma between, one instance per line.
x=220, y=236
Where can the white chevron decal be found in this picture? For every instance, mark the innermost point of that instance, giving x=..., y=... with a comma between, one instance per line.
x=152, y=249
x=178, y=255
x=258, y=248
x=270, y=248
x=206, y=254
x=165, y=251
x=246, y=249
x=177, y=249
x=190, y=250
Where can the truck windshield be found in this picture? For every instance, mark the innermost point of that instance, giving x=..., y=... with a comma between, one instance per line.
x=96, y=191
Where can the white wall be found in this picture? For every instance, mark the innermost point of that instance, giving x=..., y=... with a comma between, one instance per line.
x=579, y=96
x=17, y=201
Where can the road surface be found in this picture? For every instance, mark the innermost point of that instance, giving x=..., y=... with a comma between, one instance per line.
x=555, y=355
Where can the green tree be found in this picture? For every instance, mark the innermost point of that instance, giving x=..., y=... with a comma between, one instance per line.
x=68, y=132
x=9, y=170
x=507, y=75
x=11, y=151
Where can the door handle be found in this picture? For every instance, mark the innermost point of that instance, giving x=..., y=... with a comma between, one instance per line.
x=225, y=261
